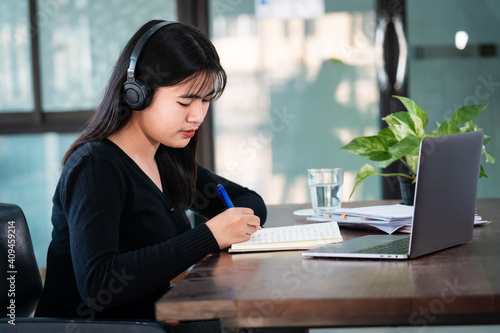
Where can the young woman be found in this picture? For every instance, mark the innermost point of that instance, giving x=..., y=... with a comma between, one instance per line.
x=120, y=232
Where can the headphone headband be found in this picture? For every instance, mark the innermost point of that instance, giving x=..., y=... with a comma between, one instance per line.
x=137, y=95
x=136, y=52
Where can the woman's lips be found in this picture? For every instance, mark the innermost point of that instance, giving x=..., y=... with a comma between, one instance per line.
x=189, y=133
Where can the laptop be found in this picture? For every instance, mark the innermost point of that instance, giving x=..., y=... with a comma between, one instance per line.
x=443, y=209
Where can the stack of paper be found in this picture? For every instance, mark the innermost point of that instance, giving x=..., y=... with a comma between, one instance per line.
x=395, y=212
x=387, y=218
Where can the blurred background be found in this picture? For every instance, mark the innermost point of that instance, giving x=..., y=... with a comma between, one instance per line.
x=305, y=78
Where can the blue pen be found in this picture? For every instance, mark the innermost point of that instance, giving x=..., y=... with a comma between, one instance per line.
x=223, y=195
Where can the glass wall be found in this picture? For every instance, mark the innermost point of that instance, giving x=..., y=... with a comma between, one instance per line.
x=79, y=42
x=16, y=85
x=298, y=90
x=454, y=60
x=29, y=171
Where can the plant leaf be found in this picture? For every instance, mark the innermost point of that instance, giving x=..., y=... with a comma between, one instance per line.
x=482, y=173
x=467, y=113
x=405, y=124
x=419, y=127
x=486, y=139
x=447, y=127
x=401, y=124
x=386, y=163
x=366, y=170
x=400, y=118
x=412, y=162
x=388, y=135
x=489, y=157
x=469, y=126
x=413, y=108
x=408, y=146
x=372, y=147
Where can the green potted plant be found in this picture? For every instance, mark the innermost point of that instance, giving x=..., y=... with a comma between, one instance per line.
x=400, y=141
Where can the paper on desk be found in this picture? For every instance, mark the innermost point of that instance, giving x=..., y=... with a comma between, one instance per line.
x=298, y=237
x=388, y=218
x=478, y=221
x=348, y=219
x=381, y=212
x=352, y=222
x=387, y=228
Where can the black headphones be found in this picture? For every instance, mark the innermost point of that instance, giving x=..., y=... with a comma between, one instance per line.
x=137, y=95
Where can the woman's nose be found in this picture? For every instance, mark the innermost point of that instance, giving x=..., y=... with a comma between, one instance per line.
x=197, y=112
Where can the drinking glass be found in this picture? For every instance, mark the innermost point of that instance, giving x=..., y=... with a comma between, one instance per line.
x=325, y=187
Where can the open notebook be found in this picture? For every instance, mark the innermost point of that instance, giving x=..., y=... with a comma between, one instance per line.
x=444, y=206
x=294, y=237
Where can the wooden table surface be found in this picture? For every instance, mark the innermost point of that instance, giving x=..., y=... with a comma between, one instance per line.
x=455, y=286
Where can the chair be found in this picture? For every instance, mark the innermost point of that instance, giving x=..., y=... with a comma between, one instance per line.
x=24, y=286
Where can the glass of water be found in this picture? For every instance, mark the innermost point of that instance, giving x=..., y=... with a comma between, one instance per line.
x=325, y=187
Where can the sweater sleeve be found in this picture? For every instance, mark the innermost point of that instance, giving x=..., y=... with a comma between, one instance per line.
x=92, y=200
x=208, y=204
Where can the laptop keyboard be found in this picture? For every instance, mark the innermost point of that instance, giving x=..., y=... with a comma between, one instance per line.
x=399, y=246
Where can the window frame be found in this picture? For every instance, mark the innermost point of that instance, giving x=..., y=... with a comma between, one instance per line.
x=38, y=121
x=194, y=12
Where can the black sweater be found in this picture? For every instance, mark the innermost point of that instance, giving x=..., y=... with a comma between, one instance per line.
x=117, y=240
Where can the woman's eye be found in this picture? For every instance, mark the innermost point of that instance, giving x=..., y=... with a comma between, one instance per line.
x=183, y=104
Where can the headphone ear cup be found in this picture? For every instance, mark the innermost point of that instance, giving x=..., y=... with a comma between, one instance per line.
x=136, y=95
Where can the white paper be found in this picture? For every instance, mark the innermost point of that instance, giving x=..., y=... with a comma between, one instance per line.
x=291, y=238
x=382, y=212
x=306, y=232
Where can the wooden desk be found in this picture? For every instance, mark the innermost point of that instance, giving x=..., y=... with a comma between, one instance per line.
x=455, y=286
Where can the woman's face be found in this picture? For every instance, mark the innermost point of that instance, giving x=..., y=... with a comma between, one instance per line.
x=175, y=113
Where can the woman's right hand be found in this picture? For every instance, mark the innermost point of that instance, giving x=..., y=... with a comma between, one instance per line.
x=234, y=225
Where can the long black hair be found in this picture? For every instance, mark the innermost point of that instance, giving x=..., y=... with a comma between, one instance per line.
x=174, y=54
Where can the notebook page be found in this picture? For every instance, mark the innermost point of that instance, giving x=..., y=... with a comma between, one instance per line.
x=291, y=236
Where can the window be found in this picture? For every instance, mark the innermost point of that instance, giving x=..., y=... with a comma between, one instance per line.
x=55, y=58
x=298, y=90
x=454, y=61
x=16, y=86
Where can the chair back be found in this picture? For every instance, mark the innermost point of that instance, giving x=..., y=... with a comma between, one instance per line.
x=21, y=284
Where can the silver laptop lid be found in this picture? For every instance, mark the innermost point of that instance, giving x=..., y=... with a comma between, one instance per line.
x=446, y=190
